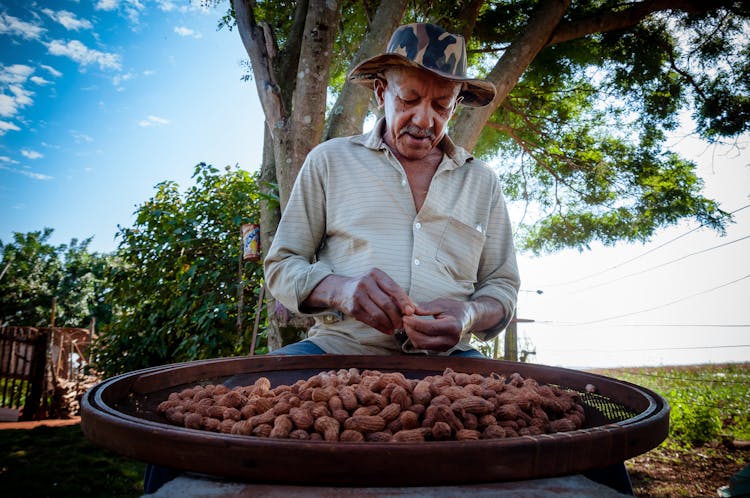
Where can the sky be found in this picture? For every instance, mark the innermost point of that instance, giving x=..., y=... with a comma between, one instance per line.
x=101, y=100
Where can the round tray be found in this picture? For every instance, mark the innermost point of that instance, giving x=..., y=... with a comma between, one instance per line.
x=623, y=420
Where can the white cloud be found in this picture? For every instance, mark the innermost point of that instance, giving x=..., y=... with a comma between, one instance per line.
x=33, y=175
x=118, y=79
x=106, y=4
x=13, y=96
x=15, y=27
x=6, y=159
x=68, y=19
x=54, y=72
x=183, y=31
x=6, y=126
x=165, y=5
x=153, y=121
x=133, y=9
x=15, y=73
x=80, y=137
x=149, y=72
x=8, y=108
x=169, y=6
x=31, y=154
x=10, y=104
x=22, y=96
x=30, y=174
x=39, y=80
x=84, y=55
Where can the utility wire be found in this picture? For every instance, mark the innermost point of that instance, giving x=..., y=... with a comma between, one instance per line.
x=689, y=380
x=719, y=325
x=600, y=272
x=660, y=265
x=638, y=350
x=590, y=322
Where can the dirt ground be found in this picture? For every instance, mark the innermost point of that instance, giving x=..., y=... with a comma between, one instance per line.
x=696, y=473
x=660, y=473
x=37, y=423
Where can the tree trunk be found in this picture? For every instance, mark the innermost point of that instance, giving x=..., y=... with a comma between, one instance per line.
x=468, y=125
x=349, y=111
x=292, y=86
x=309, y=98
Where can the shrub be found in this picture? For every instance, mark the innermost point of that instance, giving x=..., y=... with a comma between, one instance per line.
x=694, y=419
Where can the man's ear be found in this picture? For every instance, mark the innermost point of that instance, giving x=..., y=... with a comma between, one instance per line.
x=456, y=102
x=379, y=87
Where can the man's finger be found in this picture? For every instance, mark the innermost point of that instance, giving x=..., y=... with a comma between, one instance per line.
x=430, y=334
x=397, y=294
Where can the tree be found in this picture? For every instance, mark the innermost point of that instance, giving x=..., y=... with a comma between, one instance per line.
x=174, y=285
x=586, y=94
x=34, y=272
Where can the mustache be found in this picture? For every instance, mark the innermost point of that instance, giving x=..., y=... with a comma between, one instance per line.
x=416, y=131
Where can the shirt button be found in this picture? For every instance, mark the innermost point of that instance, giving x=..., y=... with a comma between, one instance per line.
x=417, y=262
x=417, y=225
x=403, y=182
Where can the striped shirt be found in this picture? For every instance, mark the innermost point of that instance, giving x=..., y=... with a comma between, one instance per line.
x=351, y=209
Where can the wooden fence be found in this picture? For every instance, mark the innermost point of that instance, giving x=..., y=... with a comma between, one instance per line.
x=33, y=361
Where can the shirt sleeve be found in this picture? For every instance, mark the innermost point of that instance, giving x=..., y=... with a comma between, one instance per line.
x=498, y=276
x=290, y=266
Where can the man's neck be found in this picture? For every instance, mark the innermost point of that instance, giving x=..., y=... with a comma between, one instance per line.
x=429, y=162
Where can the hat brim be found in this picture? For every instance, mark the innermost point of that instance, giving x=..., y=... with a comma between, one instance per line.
x=475, y=93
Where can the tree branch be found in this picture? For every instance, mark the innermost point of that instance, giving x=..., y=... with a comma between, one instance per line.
x=254, y=41
x=509, y=68
x=351, y=106
x=309, y=99
x=612, y=20
x=289, y=60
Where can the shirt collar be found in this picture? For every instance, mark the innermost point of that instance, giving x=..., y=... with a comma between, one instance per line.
x=374, y=140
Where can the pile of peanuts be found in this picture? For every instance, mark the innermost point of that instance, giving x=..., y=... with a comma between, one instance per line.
x=349, y=405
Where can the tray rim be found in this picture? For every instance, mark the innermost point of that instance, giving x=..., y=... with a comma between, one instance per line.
x=107, y=426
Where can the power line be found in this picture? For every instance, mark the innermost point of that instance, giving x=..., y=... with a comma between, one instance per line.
x=702, y=325
x=661, y=265
x=664, y=305
x=670, y=377
x=600, y=272
x=640, y=350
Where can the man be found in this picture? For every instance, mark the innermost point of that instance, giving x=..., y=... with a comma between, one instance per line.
x=398, y=240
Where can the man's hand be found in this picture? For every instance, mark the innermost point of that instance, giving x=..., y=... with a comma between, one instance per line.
x=374, y=299
x=452, y=319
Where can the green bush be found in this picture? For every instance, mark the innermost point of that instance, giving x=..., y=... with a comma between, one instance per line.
x=695, y=418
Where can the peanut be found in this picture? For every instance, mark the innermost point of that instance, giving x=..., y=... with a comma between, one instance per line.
x=349, y=405
x=302, y=418
x=351, y=435
x=409, y=435
x=282, y=426
x=328, y=427
x=365, y=423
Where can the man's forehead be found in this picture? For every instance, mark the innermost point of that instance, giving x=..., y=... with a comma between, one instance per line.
x=415, y=80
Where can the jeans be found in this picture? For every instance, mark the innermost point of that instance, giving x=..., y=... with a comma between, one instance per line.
x=308, y=347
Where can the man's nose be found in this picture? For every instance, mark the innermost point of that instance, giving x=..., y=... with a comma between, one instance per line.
x=423, y=116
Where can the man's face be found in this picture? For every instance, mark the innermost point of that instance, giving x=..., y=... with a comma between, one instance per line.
x=417, y=107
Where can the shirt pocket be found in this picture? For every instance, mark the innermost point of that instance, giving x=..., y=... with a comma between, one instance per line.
x=460, y=250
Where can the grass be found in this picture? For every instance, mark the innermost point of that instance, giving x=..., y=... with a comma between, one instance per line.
x=61, y=462
x=13, y=392
x=708, y=402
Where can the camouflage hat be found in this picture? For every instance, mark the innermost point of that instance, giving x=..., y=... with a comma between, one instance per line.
x=429, y=47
